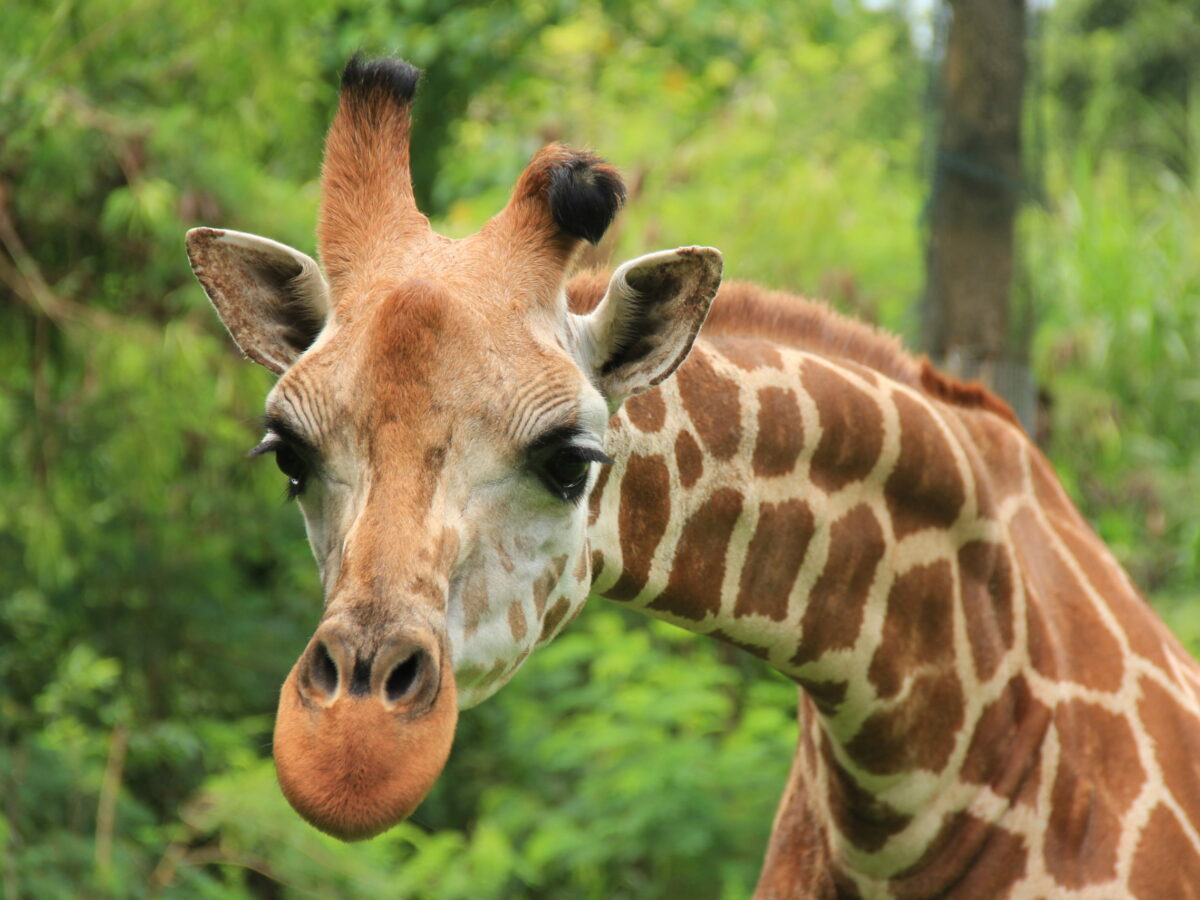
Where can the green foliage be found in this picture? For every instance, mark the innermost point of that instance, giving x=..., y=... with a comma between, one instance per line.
x=1119, y=348
x=154, y=588
x=808, y=117
x=1128, y=73
x=1113, y=267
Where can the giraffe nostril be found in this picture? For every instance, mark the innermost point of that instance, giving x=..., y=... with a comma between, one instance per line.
x=403, y=678
x=323, y=671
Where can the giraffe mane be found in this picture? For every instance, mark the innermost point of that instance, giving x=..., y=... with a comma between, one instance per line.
x=742, y=309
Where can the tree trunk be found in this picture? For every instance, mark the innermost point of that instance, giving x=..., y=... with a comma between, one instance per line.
x=969, y=330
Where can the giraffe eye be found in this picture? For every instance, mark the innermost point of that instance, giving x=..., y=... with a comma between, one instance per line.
x=565, y=472
x=562, y=463
x=292, y=465
x=289, y=460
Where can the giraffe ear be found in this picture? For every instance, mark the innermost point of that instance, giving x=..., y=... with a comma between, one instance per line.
x=273, y=299
x=644, y=326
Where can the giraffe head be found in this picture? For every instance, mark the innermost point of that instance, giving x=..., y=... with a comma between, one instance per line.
x=440, y=417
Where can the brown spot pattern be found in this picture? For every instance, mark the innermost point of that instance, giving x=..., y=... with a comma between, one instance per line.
x=547, y=581
x=502, y=554
x=1165, y=863
x=919, y=628
x=516, y=621
x=1176, y=734
x=688, y=459
x=1142, y=628
x=711, y=402
x=780, y=433
x=827, y=696
x=1002, y=452
x=1067, y=638
x=425, y=587
x=647, y=411
x=1046, y=488
x=1028, y=791
x=986, y=575
x=773, y=559
x=553, y=617
x=598, y=493
x=1099, y=776
x=474, y=599
x=851, y=429
x=860, y=816
x=917, y=733
x=641, y=522
x=924, y=489
x=997, y=860
x=542, y=586
x=1004, y=746
x=478, y=676
x=1000, y=866
x=834, y=611
x=1044, y=651
x=556, y=576
x=694, y=588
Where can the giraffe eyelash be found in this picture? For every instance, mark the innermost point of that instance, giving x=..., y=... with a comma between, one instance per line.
x=562, y=463
x=292, y=455
x=567, y=436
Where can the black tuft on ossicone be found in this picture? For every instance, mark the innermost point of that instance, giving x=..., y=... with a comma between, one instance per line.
x=395, y=76
x=585, y=195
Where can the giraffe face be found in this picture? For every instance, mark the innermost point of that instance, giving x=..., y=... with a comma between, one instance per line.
x=441, y=435
x=441, y=454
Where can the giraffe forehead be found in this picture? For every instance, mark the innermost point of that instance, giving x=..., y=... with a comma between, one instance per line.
x=406, y=336
x=422, y=360
x=547, y=390
x=499, y=363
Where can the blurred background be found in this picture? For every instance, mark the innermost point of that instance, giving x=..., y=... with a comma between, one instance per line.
x=154, y=587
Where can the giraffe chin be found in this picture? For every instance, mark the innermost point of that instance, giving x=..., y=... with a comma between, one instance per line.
x=353, y=767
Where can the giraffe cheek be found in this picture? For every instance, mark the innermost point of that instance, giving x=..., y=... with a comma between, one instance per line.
x=354, y=768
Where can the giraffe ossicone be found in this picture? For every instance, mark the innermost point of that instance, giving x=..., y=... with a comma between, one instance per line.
x=479, y=442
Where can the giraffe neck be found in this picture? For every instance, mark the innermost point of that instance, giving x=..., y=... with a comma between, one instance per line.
x=829, y=521
x=987, y=703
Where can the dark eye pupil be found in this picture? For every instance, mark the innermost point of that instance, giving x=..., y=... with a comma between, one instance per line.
x=294, y=467
x=564, y=471
x=567, y=468
x=290, y=463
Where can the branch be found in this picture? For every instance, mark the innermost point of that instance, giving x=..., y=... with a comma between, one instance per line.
x=107, y=807
x=179, y=855
x=24, y=278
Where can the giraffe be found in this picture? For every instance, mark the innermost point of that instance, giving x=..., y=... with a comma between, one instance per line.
x=478, y=443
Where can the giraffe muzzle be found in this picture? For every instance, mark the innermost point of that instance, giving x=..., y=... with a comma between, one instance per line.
x=364, y=727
